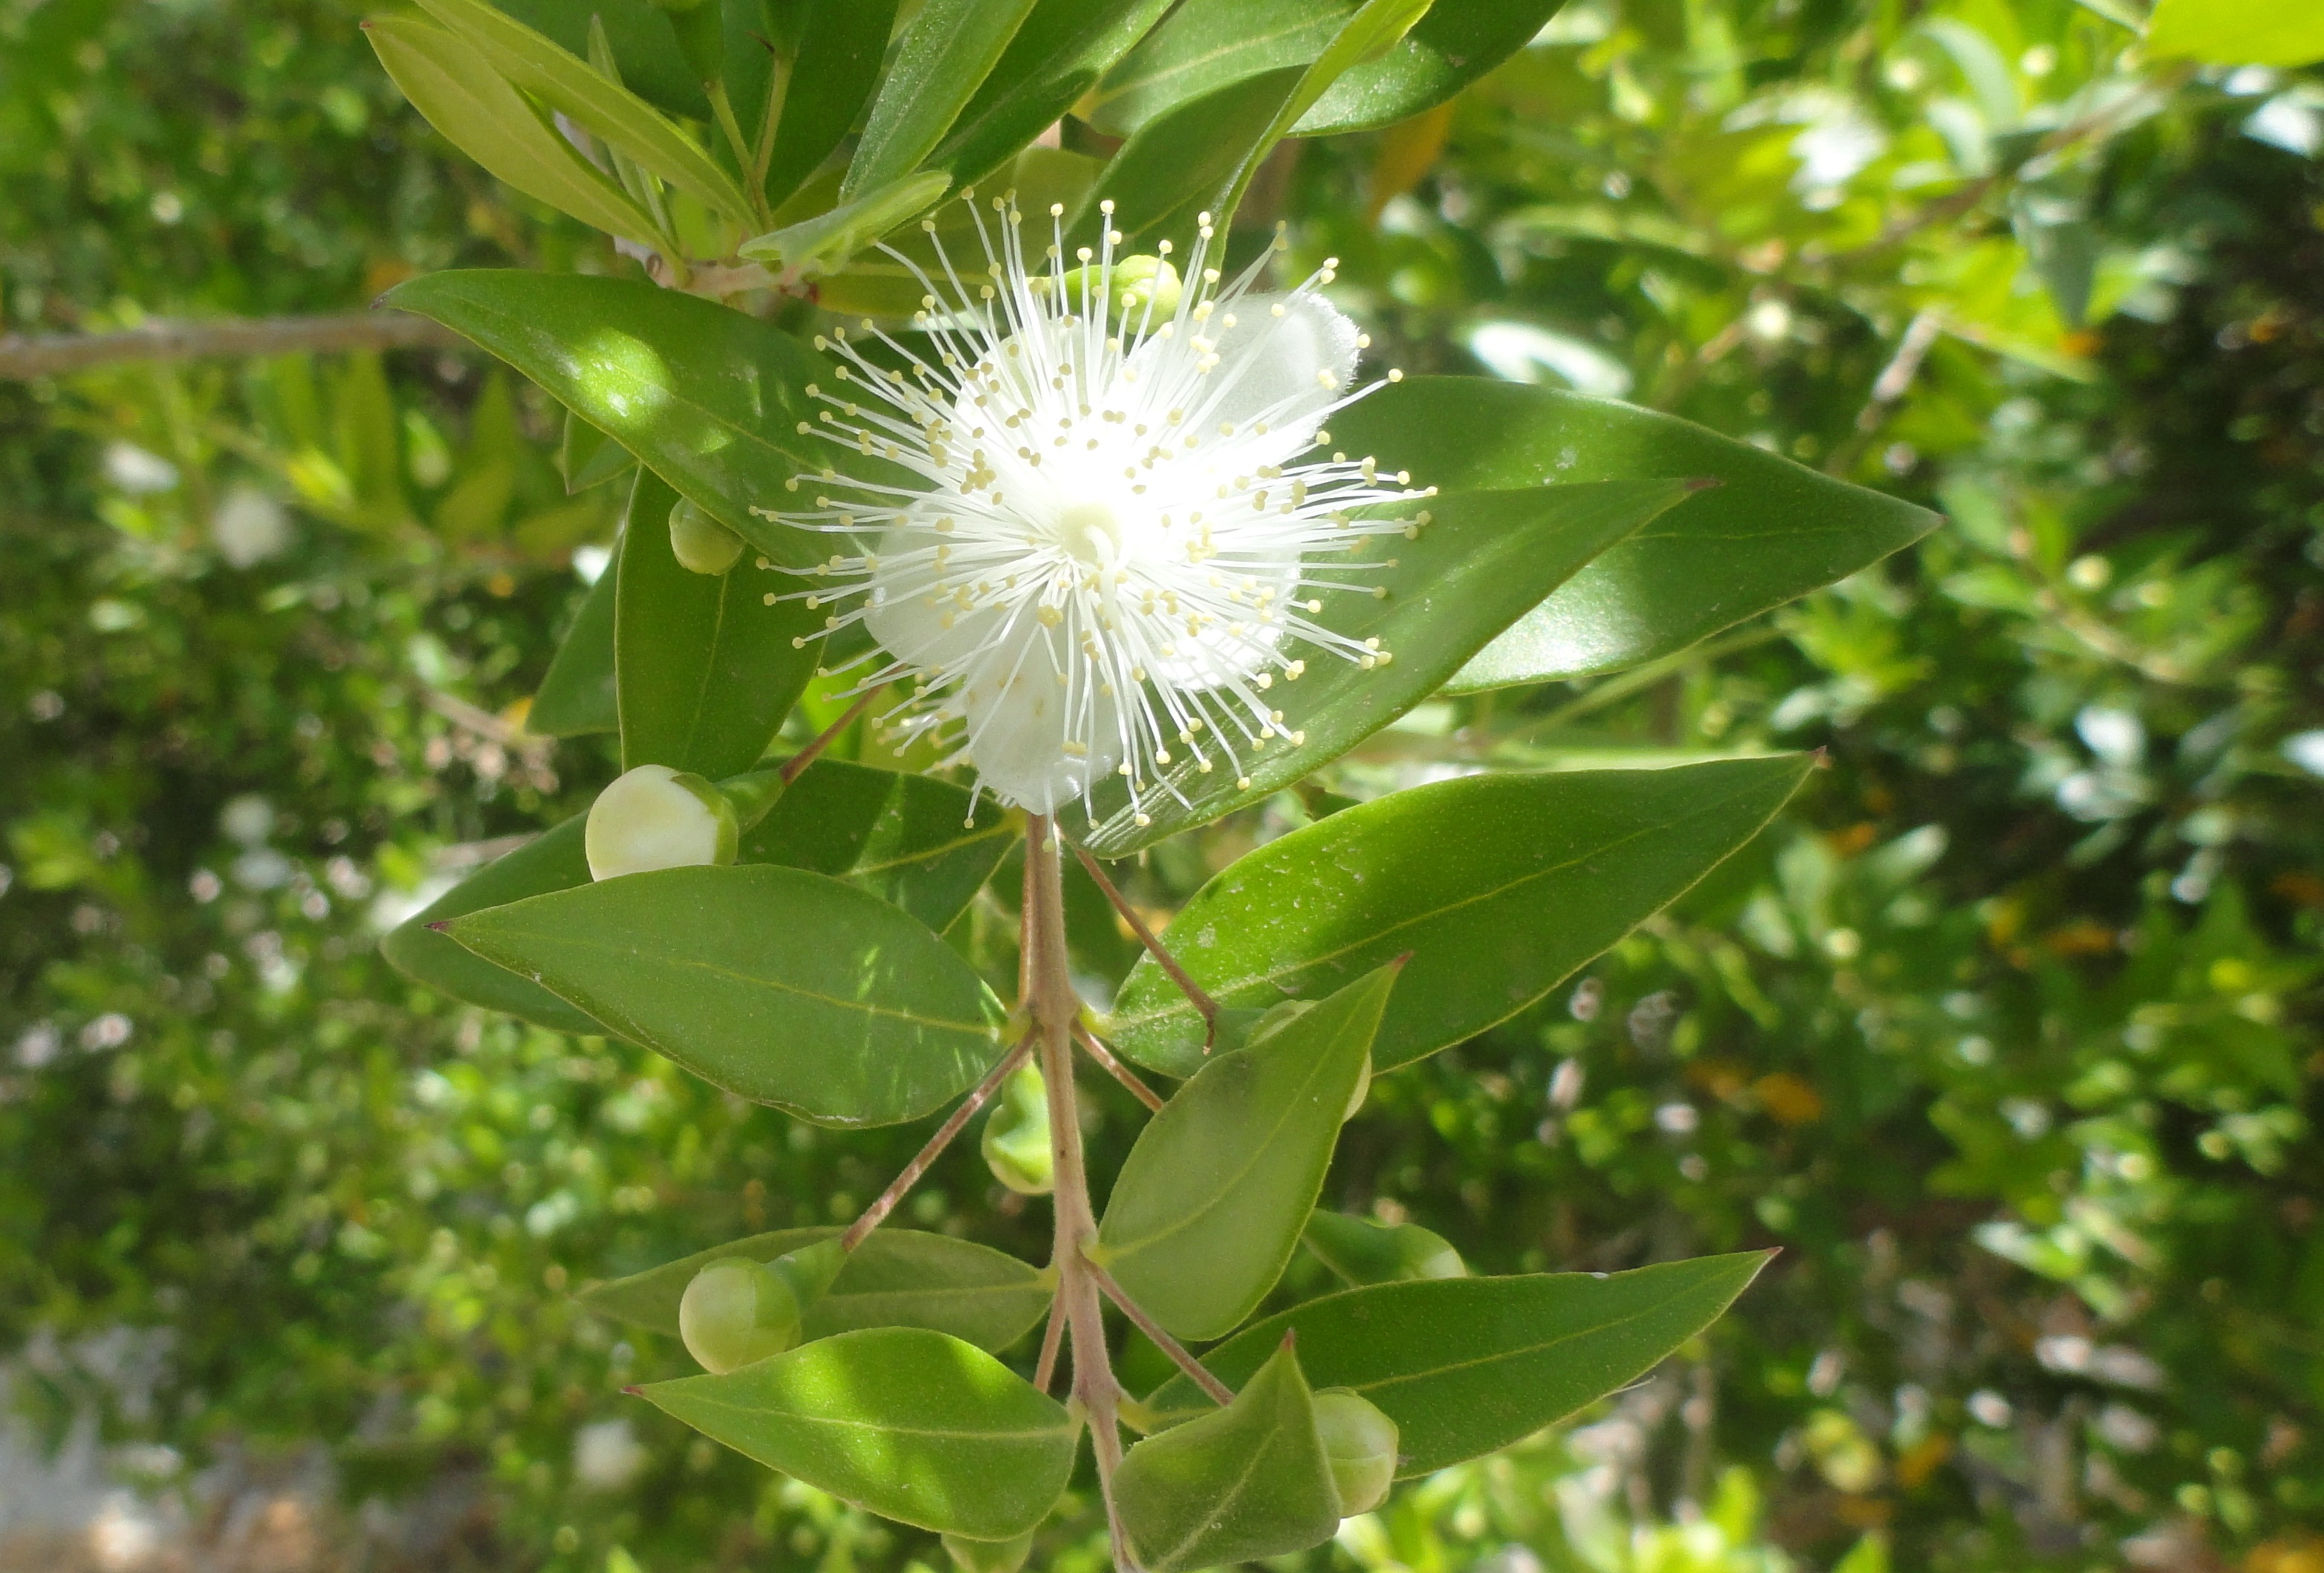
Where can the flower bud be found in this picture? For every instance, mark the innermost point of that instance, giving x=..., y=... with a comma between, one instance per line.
x=1359, y=1446
x=653, y=818
x=1139, y=289
x=989, y=1555
x=700, y=543
x=1017, y=1134
x=735, y=1311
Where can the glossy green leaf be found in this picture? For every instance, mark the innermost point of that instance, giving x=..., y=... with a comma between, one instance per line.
x=548, y=861
x=829, y=238
x=906, y=838
x=1465, y=1367
x=639, y=38
x=842, y=43
x=567, y=82
x=906, y=1424
x=587, y=458
x=897, y=1278
x=1498, y=885
x=1209, y=44
x=1770, y=532
x=1210, y=1204
x=2238, y=33
x=1183, y=162
x=479, y=113
x=1247, y=1481
x=946, y=52
x=884, y=283
x=1483, y=561
x=1458, y=42
x=782, y=986
x=704, y=671
x=1059, y=54
x=576, y=697
x=711, y=400
x=1363, y=1252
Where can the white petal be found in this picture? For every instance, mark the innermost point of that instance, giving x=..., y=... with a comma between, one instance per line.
x=1021, y=718
x=1266, y=360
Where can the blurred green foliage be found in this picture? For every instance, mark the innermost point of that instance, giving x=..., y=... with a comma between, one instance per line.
x=2008, y=1033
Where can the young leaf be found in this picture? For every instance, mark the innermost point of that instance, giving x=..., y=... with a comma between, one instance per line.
x=1210, y=1204
x=638, y=37
x=903, y=1422
x=553, y=860
x=841, y=45
x=945, y=54
x=898, y=1278
x=576, y=697
x=1363, y=1252
x=1247, y=1481
x=905, y=839
x=711, y=400
x=828, y=239
x=567, y=83
x=479, y=113
x=782, y=986
x=1770, y=531
x=1481, y=561
x=1458, y=42
x=878, y=283
x=704, y=671
x=1060, y=52
x=1499, y=886
x=2237, y=32
x=1464, y=1367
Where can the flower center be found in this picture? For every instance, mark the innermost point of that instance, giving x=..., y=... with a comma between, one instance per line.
x=1090, y=531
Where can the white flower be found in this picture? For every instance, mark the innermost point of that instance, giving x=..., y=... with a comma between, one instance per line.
x=1103, y=564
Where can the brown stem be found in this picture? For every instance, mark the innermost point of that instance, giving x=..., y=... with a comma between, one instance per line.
x=911, y=1177
x=1219, y=1390
x=1117, y=1069
x=1053, y=1337
x=1055, y=1008
x=1155, y=947
x=41, y=354
x=798, y=761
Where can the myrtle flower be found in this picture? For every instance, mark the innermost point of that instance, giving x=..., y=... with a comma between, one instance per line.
x=1123, y=502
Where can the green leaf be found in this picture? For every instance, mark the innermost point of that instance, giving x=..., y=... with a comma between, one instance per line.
x=1363, y=1252
x=1465, y=1367
x=903, y=1422
x=1211, y=1202
x=1210, y=44
x=704, y=671
x=1770, y=532
x=1484, y=560
x=479, y=113
x=905, y=839
x=576, y=693
x=1247, y=1481
x=782, y=986
x=945, y=54
x=569, y=83
x=640, y=40
x=1060, y=52
x=897, y=1278
x=841, y=47
x=1458, y=42
x=548, y=861
x=587, y=458
x=1498, y=885
x=711, y=400
x=880, y=284
x=1185, y=162
x=828, y=239
x=2237, y=32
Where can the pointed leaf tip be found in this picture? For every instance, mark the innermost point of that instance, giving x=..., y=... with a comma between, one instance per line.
x=440, y=925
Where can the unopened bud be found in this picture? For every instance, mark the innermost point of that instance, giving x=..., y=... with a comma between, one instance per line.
x=1138, y=289
x=736, y=1311
x=1016, y=1141
x=989, y=1555
x=654, y=817
x=700, y=543
x=1359, y=1446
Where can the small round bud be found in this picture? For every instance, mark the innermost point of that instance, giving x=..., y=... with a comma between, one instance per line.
x=1140, y=282
x=700, y=543
x=1359, y=1444
x=653, y=818
x=735, y=1311
x=1016, y=1142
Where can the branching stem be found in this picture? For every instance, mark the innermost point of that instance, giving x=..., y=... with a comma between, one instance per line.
x=1117, y=1069
x=1221, y=1393
x=896, y=1187
x=1202, y=1002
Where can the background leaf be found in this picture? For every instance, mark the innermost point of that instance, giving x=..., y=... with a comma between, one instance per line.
x=576, y=697
x=910, y=1424
x=905, y=839
x=2237, y=32
x=1465, y=1367
x=841, y=45
x=1059, y=52
x=946, y=52
x=1458, y=42
x=1498, y=885
x=553, y=860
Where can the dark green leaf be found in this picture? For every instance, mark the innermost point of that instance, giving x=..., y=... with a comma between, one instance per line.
x=1210, y=44
x=903, y=838
x=1185, y=161
x=841, y=46
x=550, y=861
x=640, y=40
x=1247, y=1481
x=906, y=1424
x=1498, y=885
x=1770, y=532
x=779, y=985
x=1486, y=559
x=946, y=53
x=576, y=693
x=896, y=1277
x=704, y=671
x=1210, y=1204
x=1465, y=1367
x=1458, y=42
x=587, y=458
x=1058, y=54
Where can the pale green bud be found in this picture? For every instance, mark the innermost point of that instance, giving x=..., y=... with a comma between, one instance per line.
x=1016, y=1142
x=736, y=1311
x=1135, y=284
x=654, y=817
x=700, y=543
x=1359, y=1444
